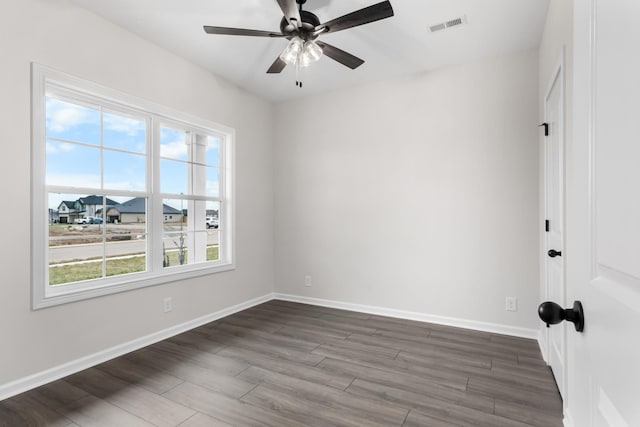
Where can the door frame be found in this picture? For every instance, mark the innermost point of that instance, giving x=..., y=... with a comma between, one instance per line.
x=558, y=74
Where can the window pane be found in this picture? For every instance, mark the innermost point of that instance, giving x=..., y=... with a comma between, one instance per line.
x=200, y=246
x=125, y=257
x=173, y=177
x=213, y=234
x=174, y=249
x=129, y=215
x=72, y=165
x=173, y=144
x=74, y=259
x=73, y=122
x=126, y=234
x=123, y=171
x=212, y=212
x=213, y=151
x=74, y=208
x=123, y=132
x=213, y=182
x=126, y=231
x=213, y=245
x=175, y=213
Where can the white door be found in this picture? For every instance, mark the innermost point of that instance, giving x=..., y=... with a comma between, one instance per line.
x=554, y=207
x=603, y=215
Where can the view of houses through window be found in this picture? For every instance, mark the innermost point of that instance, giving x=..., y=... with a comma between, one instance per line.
x=80, y=230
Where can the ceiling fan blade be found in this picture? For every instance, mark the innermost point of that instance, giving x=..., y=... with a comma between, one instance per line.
x=339, y=55
x=240, y=32
x=277, y=66
x=359, y=17
x=291, y=12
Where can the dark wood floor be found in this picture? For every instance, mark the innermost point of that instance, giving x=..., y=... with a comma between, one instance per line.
x=284, y=364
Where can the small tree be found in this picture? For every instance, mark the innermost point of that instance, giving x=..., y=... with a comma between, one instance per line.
x=165, y=257
x=181, y=247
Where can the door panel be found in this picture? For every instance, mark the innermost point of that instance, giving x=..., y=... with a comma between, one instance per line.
x=603, y=237
x=554, y=204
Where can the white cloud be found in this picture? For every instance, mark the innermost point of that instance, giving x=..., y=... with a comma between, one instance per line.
x=174, y=150
x=131, y=127
x=74, y=179
x=59, y=147
x=62, y=116
x=125, y=185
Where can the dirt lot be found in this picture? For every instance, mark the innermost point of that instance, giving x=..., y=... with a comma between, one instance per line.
x=68, y=234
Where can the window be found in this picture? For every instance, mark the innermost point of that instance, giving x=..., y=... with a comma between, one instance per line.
x=125, y=192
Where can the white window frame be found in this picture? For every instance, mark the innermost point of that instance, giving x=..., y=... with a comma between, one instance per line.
x=45, y=295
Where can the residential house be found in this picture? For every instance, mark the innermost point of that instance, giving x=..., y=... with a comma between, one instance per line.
x=92, y=205
x=67, y=211
x=135, y=211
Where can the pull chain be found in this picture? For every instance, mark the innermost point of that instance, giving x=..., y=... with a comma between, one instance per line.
x=298, y=79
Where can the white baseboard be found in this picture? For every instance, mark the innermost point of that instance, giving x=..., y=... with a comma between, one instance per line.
x=421, y=317
x=32, y=381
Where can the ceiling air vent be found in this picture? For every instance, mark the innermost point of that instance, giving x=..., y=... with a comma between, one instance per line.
x=448, y=24
x=454, y=22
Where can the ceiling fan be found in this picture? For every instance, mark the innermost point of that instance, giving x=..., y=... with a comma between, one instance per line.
x=302, y=28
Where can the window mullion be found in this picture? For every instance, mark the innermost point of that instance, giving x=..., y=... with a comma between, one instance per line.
x=222, y=193
x=200, y=189
x=104, y=240
x=154, y=209
x=191, y=204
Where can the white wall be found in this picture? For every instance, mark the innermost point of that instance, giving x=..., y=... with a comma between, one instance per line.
x=62, y=36
x=417, y=195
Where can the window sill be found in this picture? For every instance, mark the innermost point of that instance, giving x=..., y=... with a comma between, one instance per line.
x=59, y=295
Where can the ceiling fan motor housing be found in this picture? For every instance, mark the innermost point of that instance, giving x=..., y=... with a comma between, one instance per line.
x=307, y=31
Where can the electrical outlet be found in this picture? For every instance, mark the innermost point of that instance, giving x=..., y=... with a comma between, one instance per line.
x=168, y=304
x=307, y=280
x=512, y=304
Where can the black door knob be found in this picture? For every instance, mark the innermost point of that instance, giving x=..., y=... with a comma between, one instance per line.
x=553, y=253
x=551, y=314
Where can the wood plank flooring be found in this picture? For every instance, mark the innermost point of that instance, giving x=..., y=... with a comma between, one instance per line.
x=285, y=364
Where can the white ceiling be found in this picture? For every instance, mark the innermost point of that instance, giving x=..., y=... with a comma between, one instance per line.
x=394, y=47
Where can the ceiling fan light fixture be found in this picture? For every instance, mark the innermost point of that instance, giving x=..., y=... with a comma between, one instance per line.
x=310, y=54
x=292, y=51
x=302, y=27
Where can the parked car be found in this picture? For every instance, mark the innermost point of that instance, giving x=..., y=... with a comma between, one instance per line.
x=88, y=220
x=212, y=222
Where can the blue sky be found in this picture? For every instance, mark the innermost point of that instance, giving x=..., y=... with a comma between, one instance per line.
x=77, y=163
